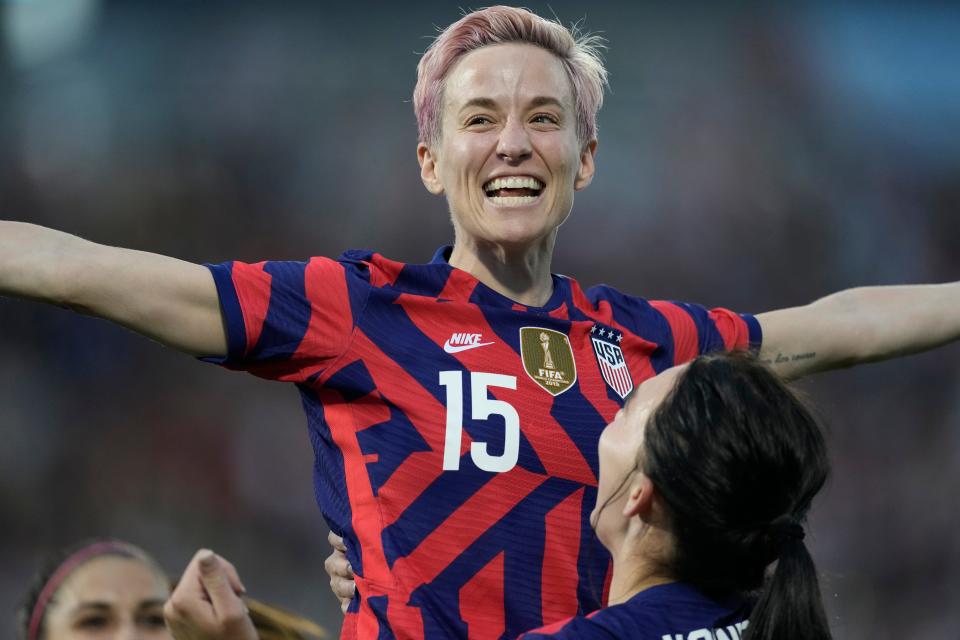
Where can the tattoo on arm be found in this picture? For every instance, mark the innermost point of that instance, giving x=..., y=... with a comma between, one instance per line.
x=790, y=357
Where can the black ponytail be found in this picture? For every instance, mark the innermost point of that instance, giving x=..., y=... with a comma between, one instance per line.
x=789, y=605
x=737, y=459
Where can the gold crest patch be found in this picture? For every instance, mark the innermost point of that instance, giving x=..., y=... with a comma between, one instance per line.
x=548, y=359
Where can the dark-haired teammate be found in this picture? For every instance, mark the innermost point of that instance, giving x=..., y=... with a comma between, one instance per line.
x=455, y=406
x=706, y=477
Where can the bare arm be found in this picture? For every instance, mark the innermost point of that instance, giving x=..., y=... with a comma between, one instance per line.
x=860, y=325
x=168, y=300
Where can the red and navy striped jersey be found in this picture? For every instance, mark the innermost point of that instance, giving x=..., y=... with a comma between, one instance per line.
x=673, y=611
x=455, y=431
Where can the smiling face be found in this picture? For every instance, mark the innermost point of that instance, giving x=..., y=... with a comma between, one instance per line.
x=508, y=159
x=109, y=598
x=619, y=451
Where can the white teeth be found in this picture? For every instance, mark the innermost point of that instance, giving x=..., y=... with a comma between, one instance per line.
x=513, y=182
x=512, y=201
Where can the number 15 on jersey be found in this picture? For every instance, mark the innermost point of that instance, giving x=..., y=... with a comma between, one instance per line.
x=483, y=407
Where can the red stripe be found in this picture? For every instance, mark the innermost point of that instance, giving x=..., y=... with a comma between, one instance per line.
x=460, y=286
x=560, y=576
x=482, y=602
x=686, y=341
x=376, y=578
x=459, y=531
x=602, y=313
x=331, y=318
x=606, y=587
x=560, y=312
x=732, y=328
x=384, y=272
x=252, y=285
x=420, y=469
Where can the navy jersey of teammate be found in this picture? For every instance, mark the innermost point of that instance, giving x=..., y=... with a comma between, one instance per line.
x=455, y=431
x=672, y=611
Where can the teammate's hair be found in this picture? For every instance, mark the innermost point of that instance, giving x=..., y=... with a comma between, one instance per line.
x=578, y=52
x=737, y=459
x=32, y=614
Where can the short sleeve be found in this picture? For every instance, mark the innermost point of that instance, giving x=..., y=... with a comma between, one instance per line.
x=697, y=330
x=284, y=320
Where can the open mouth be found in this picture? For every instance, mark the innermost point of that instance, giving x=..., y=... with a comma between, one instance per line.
x=513, y=191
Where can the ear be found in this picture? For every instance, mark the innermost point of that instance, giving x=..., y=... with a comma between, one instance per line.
x=428, y=170
x=587, y=167
x=640, y=497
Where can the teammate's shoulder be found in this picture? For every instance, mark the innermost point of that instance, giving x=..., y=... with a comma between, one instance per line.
x=585, y=627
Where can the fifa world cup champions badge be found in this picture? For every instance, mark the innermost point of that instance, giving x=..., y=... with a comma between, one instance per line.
x=548, y=359
x=613, y=366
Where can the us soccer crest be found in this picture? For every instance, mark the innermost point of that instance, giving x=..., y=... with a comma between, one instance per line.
x=613, y=366
x=548, y=359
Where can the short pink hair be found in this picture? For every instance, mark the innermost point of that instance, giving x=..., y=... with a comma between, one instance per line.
x=578, y=52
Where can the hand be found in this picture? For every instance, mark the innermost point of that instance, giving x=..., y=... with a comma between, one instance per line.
x=206, y=604
x=341, y=573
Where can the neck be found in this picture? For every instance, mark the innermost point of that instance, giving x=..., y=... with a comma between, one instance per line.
x=633, y=574
x=523, y=275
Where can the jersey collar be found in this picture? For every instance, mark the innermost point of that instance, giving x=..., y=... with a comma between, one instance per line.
x=484, y=295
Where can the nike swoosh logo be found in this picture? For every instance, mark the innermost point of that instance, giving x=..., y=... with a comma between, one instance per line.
x=449, y=348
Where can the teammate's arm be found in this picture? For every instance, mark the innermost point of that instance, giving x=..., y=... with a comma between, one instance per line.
x=169, y=300
x=860, y=325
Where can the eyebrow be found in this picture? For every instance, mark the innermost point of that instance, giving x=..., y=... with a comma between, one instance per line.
x=101, y=606
x=490, y=103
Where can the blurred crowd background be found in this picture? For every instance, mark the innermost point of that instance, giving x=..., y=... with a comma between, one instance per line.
x=751, y=156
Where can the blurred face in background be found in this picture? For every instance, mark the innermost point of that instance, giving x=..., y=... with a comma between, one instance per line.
x=508, y=159
x=619, y=451
x=109, y=598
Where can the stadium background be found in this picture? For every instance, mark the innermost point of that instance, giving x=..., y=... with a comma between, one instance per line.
x=752, y=157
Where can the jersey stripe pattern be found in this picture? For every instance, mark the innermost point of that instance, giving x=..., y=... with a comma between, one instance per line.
x=455, y=431
x=673, y=611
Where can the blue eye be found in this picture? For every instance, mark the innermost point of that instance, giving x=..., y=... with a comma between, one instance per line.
x=544, y=118
x=478, y=120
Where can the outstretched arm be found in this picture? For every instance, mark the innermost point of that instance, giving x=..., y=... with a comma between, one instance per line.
x=860, y=325
x=169, y=300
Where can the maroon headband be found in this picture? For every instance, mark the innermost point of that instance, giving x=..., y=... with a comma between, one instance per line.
x=74, y=560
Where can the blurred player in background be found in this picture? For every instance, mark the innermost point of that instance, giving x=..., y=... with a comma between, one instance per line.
x=109, y=589
x=454, y=407
x=102, y=589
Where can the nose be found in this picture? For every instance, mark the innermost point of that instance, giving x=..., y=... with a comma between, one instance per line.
x=129, y=630
x=514, y=143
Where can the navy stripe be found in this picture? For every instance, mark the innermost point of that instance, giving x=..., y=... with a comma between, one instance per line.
x=422, y=279
x=379, y=606
x=358, y=287
x=231, y=313
x=755, y=331
x=388, y=326
x=521, y=536
x=288, y=316
x=581, y=421
x=329, y=476
x=352, y=381
x=432, y=507
x=592, y=560
x=708, y=337
x=392, y=441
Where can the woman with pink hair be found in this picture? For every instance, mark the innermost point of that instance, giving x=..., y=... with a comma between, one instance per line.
x=454, y=407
